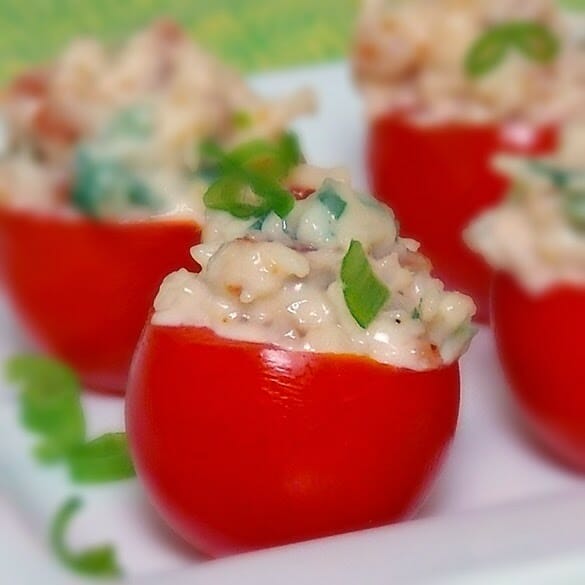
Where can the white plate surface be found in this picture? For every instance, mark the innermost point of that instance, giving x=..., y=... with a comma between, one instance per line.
x=500, y=512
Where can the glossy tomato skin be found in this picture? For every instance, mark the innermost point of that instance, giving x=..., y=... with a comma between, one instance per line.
x=242, y=445
x=83, y=289
x=438, y=178
x=540, y=342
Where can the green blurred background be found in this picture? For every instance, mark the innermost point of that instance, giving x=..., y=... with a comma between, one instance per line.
x=251, y=34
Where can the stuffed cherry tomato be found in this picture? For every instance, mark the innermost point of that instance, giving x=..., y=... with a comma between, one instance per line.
x=438, y=178
x=102, y=184
x=305, y=383
x=447, y=87
x=536, y=241
x=539, y=341
x=244, y=445
x=83, y=289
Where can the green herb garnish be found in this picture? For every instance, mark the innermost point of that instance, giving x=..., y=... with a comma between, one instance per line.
x=242, y=120
x=104, y=459
x=134, y=123
x=536, y=41
x=103, y=186
x=487, y=52
x=558, y=176
x=532, y=39
x=249, y=176
x=329, y=197
x=364, y=293
x=234, y=196
x=569, y=183
x=51, y=407
x=417, y=311
x=49, y=404
x=94, y=562
x=575, y=208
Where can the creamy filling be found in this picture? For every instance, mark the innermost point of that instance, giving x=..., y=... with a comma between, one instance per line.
x=538, y=233
x=409, y=58
x=137, y=116
x=279, y=282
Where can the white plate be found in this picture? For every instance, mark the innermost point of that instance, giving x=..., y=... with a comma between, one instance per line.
x=500, y=511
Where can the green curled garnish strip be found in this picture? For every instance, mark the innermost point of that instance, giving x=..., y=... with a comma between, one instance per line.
x=536, y=41
x=365, y=294
x=532, y=39
x=487, y=53
x=50, y=405
x=99, y=562
x=102, y=460
x=249, y=177
x=234, y=196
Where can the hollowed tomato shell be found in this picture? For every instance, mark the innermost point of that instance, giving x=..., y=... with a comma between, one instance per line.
x=540, y=342
x=83, y=289
x=439, y=178
x=243, y=445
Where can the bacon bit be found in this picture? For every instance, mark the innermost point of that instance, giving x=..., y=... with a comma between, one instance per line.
x=62, y=191
x=415, y=261
x=300, y=247
x=52, y=125
x=368, y=51
x=234, y=289
x=169, y=34
x=301, y=193
x=429, y=352
x=165, y=71
x=389, y=24
x=168, y=31
x=34, y=83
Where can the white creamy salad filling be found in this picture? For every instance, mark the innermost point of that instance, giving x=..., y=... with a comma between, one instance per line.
x=538, y=232
x=279, y=282
x=130, y=119
x=410, y=57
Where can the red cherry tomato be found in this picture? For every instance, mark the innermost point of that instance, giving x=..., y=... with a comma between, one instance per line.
x=540, y=341
x=438, y=178
x=243, y=445
x=83, y=289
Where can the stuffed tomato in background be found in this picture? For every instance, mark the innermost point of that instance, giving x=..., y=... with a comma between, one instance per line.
x=536, y=242
x=447, y=86
x=101, y=185
x=305, y=382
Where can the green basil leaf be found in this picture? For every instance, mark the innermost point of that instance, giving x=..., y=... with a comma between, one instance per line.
x=94, y=562
x=104, y=459
x=49, y=404
x=364, y=293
